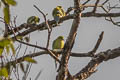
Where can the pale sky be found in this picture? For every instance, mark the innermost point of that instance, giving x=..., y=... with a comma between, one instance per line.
x=87, y=35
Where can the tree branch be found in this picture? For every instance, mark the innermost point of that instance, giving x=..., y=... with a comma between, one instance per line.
x=89, y=69
x=92, y=53
x=43, y=26
x=49, y=29
x=63, y=68
x=95, y=7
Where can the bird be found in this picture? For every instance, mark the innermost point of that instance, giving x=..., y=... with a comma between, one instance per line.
x=33, y=20
x=62, y=11
x=58, y=45
x=57, y=13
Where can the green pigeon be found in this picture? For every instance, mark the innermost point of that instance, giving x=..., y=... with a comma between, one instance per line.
x=33, y=20
x=58, y=45
x=57, y=13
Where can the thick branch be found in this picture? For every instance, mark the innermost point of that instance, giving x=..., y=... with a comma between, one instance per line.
x=89, y=69
x=43, y=26
x=109, y=54
x=89, y=14
x=63, y=68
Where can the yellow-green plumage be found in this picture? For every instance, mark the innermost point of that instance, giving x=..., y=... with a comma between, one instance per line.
x=62, y=11
x=58, y=44
x=57, y=13
x=33, y=20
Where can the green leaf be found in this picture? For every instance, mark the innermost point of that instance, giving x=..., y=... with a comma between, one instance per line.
x=29, y=59
x=7, y=49
x=6, y=42
x=11, y=2
x=22, y=67
x=1, y=45
x=6, y=14
x=1, y=51
x=2, y=42
x=19, y=37
x=4, y=72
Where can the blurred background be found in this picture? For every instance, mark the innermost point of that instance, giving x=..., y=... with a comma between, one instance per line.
x=87, y=35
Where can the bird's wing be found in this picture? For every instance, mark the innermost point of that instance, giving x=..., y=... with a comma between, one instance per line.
x=62, y=44
x=63, y=12
x=55, y=12
x=53, y=45
x=31, y=19
x=36, y=19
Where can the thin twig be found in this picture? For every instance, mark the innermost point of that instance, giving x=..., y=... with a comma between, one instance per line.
x=15, y=74
x=92, y=53
x=95, y=8
x=50, y=52
x=105, y=2
x=49, y=29
x=110, y=18
x=38, y=75
x=26, y=70
x=85, y=2
x=15, y=26
x=30, y=65
x=2, y=20
x=69, y=10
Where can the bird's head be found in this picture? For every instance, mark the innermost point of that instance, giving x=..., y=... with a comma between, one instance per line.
x=59, y=7
x=37, y=19
x=61, y=37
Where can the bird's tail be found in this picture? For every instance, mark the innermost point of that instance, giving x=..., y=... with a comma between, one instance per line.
x=57, y=55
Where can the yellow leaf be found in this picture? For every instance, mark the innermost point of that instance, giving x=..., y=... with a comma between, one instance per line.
x=19, y=37
x=4, y=72
x=7, y=49
x=29, y=59
x=6, y=42
x=1, y=43
x=6, y=14
x=11, y=2
x=1, y=51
